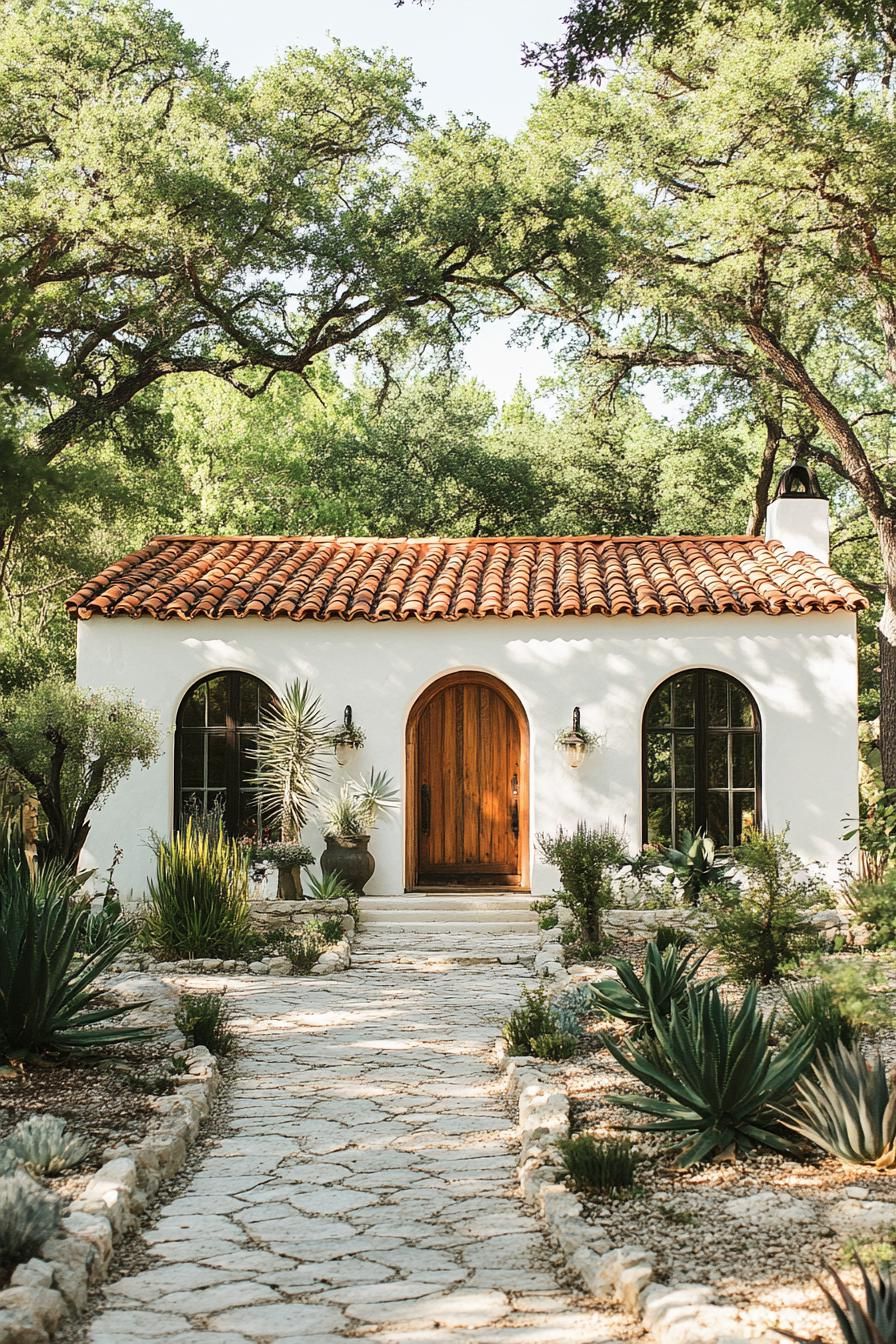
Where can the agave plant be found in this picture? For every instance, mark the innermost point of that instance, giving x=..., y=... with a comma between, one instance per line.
x=816, y=1007
x=870, y=1322
x=292, y=757
x=29, y=1215
x=848, y=1107
x=49, y=998
x=46, y=1146
x=696, y=864
x=719, y=1078
x=329, y=887
x=665, y=980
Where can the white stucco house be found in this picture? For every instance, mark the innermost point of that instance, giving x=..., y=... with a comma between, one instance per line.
x=718, y=673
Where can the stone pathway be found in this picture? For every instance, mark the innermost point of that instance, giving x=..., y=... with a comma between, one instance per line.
x=365, y=1188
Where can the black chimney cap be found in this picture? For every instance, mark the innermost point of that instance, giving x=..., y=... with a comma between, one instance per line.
x=799, y=481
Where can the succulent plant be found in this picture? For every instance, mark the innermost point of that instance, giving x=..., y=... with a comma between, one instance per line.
x=639, y=1000
x=29, y=1214
x=816, y=1007
x=721, y=1083
x=597, y=1164
x=555, y=1044
x=45, y=1145
x=696, y=865
x=847, y=1106
x=870, y=1322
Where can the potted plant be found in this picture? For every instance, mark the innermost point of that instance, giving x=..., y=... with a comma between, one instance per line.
x=349, y=817
x=348, y=738
x=289, y=858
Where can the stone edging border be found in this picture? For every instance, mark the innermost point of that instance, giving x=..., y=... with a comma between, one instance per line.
x=54, y=1284
x=688, y=1313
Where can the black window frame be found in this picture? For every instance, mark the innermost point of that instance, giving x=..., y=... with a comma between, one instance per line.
x=702, y=731
x=232, y=732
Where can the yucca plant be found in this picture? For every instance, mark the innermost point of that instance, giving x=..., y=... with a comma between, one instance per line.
x=719, y=1078
x=597, y=1165
x=640, y=999
x=356, y=808
x=816, y=1007
x=292, y=757
x=199, y=898
x=49, y=999
x=870, y=1322
x=847, y=1106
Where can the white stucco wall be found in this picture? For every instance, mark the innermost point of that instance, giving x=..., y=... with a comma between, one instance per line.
x=800, y=669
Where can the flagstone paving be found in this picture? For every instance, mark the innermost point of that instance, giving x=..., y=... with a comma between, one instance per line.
x=365, y=1186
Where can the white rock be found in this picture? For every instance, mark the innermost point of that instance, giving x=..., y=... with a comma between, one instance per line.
x=771, y=1207
x=862, y=1217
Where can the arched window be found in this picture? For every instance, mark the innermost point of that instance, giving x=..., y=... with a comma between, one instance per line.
x=217, y=725
x=701, y=759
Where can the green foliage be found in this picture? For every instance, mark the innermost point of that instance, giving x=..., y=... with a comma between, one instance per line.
x=848, y=1107
x=531, y=1020
x=874, y=903
x=292, y=755
x=205, y=1019
x=666, y=935
x=555, y=1044
x=597, y=1166
x=696, y=865
x=587, y=859
x=762, y=924
x=718, y=1078
x=859, y=987
x=283, y=855
x=329, y=887
x=356, y=808
x=815, y=1008
x=46, y=1146
x=641, y=1000
x=304, y=945
x=875, y=831
x=198, y=900
x=29, y=1216
x=49, y=995
x=73, y=747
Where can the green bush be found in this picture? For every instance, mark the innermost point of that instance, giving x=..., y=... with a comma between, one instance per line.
x=29, y=1216
x=764, y=924
x=596, y=1165
x=640, y=1000
x=532, y=1019
x=205, y=1019
x=874, y=904
x=199, y=899
x=49, y=997
x=718, y=1077
x=848, y=1107
x=587, y=859
x=46, y=1146
x=555, y=1044
x=870, y=1322
x=331, y=929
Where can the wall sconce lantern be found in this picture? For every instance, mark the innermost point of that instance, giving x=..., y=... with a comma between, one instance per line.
x=576, y=742
x=348, y=739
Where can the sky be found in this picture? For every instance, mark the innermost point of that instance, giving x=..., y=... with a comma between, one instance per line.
x=466, y=53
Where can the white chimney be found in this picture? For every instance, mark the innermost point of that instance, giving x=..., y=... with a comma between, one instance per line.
x=798, y=516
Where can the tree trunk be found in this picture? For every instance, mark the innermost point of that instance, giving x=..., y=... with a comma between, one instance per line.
x=766, y=476
x=886, y=636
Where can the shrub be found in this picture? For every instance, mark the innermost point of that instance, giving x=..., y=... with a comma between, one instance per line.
x=74, y=747
x=29, y=1215
x=46, y=1146
x=858, y=986
x=597, y=1165
x=665, y=935
x=640, y=1000
x=49, y=999
x=331, y=929
x=199, y=899
x=696, y=865
x=587, y=858
x=302, y=947
x=532, y=1019
x=283, y=854
x=875, y=830
x=848, y=1107
x=874, y=904
x=870, y=1322
x=815, y=1007
x=719, y=1079
x=763, y=924
x=555, y=1044
x=205, y=1020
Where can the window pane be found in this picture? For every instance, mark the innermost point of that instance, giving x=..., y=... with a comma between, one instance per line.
x=717, y=817
x=743, y=748
x=684, y=761
x=248, y=700
x=741, y=708
x=717, y=760
x=683, y=700
x=716, y=700
x=192, y=713
x=249, y=813
x=266, y=697
x=684, y=814
x=217, y=701
x=744, y=815
x=192, y=758
x=247, y=757
x=216, y=750
x=659, y=714
x=659, y=818
x=659, y=759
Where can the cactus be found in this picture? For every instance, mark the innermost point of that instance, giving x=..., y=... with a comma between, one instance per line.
x=45, y=1145
x=29, y=1215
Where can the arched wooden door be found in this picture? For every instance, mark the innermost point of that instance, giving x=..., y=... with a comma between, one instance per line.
x=468, y=785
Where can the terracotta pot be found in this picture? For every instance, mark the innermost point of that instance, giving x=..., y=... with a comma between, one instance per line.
x=289, y=884
x=349, y=858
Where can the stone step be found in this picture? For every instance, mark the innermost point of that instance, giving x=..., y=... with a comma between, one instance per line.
x=447, y=910
x=390, y=929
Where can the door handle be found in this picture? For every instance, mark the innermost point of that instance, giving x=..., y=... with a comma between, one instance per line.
x=424, y=808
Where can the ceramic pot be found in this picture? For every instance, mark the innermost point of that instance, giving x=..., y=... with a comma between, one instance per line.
x=349, y=858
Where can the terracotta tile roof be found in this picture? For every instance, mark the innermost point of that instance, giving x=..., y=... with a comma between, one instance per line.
x=380, y=579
